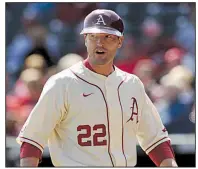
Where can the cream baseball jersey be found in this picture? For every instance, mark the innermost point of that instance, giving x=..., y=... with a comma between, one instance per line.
x=87, y=119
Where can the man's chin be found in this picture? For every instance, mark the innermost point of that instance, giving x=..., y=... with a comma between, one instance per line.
x=100, y=61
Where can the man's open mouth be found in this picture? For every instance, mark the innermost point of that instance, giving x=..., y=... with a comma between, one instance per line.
x=99, y=52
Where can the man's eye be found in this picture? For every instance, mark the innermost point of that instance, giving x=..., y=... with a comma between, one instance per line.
x=92, y=36
x=110, y=37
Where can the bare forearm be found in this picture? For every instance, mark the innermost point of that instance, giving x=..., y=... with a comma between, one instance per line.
x=29, y=162
x=168, y=163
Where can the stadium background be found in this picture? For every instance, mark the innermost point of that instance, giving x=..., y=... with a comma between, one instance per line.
x=43, y=39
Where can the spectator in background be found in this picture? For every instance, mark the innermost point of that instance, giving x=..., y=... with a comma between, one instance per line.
x=68, y=60
x=50, y=71
x=66, y=24
x=151, y=29
x=172, y=58
x=36, y=61
x=24, y=96
x=176, y=104
x=34, y=39
x=81, y=10
x=130, y=54
x=185, y=34
x=145, y=69
x=178, y=56
x=65, y=62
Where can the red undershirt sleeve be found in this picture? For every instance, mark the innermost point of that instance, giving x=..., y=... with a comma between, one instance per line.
x=161, y=152
x=29, y=150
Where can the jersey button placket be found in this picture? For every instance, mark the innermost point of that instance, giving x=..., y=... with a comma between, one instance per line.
x=106, y=84
x=115, y=123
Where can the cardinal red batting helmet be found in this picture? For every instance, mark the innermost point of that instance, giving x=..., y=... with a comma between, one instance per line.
x=103, y=21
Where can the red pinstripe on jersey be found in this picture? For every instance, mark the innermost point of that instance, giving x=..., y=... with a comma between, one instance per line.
x=156, y=142
x=122, y=120
x=32, y=141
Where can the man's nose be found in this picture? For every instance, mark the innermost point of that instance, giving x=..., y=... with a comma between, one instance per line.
x=99, y=41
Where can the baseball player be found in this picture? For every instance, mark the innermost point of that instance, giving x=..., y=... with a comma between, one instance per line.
x=92, y=113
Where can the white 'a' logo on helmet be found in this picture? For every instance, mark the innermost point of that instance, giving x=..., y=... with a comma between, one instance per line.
x=100, y=20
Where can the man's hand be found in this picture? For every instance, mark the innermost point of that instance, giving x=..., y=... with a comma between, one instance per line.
x=169, y=162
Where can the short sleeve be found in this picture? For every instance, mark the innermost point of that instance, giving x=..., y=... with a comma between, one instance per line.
x=44, y=117
x=150, y=132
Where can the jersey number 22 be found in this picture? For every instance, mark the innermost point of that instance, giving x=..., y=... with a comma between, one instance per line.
x=86, y=139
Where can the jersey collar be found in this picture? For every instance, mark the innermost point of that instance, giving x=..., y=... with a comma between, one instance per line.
x=87, y=65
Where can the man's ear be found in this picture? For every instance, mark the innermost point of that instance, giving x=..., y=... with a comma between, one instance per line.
x=85, y=37
x=121, y=39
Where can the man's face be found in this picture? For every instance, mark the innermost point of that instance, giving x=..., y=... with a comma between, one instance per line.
x=102, y=47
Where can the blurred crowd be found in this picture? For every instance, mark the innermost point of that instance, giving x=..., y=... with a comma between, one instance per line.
x=42, y=39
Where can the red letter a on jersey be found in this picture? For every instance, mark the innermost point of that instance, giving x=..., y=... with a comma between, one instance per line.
x=134, y=110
